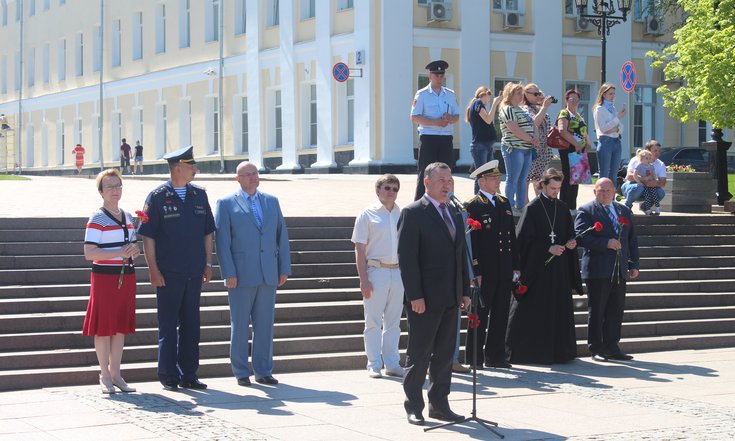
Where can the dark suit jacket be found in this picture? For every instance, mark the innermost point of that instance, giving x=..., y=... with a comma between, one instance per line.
x=494, y=250
x=433, y=267
x=597, y=260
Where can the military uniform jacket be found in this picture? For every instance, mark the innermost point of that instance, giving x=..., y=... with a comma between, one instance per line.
x=494, y=251
x=178, y=227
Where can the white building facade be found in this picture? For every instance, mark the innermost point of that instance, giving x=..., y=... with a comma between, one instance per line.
x=158, y=63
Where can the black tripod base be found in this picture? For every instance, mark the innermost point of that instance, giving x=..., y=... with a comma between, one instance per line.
x=485, y=423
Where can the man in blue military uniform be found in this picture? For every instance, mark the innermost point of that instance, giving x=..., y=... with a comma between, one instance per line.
x=496, y=263
x=435, y=111
x=177, y=240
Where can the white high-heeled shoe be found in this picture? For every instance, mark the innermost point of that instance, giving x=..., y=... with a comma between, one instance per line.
x=122, y=385
x=106, y=385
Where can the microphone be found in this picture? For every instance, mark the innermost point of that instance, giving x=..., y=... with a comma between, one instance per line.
x=457, y=203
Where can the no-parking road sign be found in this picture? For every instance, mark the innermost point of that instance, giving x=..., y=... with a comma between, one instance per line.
x=341, y=72
x=627, y=76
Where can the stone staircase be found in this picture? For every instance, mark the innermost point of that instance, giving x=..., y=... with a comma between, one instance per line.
x=684, y=298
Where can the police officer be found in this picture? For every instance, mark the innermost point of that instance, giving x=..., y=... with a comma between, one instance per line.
x=495, y=261
x=177, y=240
x=435, y=111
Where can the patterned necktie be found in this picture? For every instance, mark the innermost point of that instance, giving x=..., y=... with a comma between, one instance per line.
x=612, y=218
x=255, y=212
x=448, y=220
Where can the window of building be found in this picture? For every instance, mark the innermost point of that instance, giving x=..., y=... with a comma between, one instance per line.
x=644, y=8
x=18, y=10
x=4, y=5
x=79, y=60
x=505, y=5
x=215, y=125
x=31, y=8
x=272, y=13
x=138, y=134
x=349, y=4
x=160, y=28
x=116, y=42
x=45, y=62
x=61, y=143
x=240, y=15
x=78, y=135
x=137, y=36
x=61, y=61
x=97, y=49
x=644, y=115
x=586, y=100
x=312, y=115
x=16, y=71
x=117, y=134
x=570, y=8
x=4, y=77
x=308, y=9
x=31, y=66
x=185, y=121
x=184, y=23
x=278, y=120
x=164, y=127
x=244, y=125
x=46, y=5
x=350, y=85
x=30, y=145
x=702, y=132
x=211, y=17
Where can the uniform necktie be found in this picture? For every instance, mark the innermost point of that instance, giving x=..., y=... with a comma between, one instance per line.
x=493, y=200
x=255, y=212
x=448, y=220
x=612, y=218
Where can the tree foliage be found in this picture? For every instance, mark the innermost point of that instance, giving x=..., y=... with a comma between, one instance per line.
x=702, y=60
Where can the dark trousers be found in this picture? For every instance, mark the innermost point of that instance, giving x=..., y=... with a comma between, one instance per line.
x=178, y=328
x=568, y=192
x=431, y=342
x=493, y=322
x=433, y=148
x=606, y=303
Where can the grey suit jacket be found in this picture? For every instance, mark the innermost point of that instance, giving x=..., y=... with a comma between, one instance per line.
x=253, y=255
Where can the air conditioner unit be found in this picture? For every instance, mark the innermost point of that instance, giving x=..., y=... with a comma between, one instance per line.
x=439, y=11
x=583, y=24
x=654, y=25
x=512, y=20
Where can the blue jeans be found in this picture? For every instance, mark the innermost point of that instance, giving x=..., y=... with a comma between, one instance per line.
x=517, y=167
x=481, y=153
x=608, y=157
x=633, y=192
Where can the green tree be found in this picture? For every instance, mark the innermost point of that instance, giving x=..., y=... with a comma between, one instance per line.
x=702, y=60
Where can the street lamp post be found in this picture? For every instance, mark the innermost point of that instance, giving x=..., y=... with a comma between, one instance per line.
x=603, y=16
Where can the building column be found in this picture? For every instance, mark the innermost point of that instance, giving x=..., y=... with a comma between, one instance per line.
x=256, y=107
x=289, y=103
x=365, y=136
x=547, y=69
x=324, y=89
x=474, y=60
x=620, y=50
x=398, y=85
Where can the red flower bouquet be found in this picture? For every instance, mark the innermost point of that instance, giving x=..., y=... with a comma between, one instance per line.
x=140, y=219
x=597, y=227
x=472, y=225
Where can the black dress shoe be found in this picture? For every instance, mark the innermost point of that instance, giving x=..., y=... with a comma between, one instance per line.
x=171, y=385
x=415, y=418
x=244, y=381
x=267, y=380
x=598, y=357
x=193, y=384
x=499, y=364
x=619, y=356
x=444, y=415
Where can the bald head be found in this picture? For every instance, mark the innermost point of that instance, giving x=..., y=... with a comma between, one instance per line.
x=248, y=177
x=604, y=191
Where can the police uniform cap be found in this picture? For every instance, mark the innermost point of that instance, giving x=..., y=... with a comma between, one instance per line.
x=490, y=168
x=185, y=154
x=437, y=67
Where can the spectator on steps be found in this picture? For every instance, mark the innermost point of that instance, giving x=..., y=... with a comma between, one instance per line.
x=634, y=191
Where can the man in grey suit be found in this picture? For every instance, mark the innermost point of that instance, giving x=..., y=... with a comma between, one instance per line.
x=253, y=253
x=605, y=280
x=433, y=262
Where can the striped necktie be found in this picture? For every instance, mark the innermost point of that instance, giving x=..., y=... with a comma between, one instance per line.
x=255, y=211
x=448, y=220
x=612, y=218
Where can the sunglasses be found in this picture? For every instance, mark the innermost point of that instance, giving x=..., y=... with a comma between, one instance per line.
x=389, y=188
x=535, y=93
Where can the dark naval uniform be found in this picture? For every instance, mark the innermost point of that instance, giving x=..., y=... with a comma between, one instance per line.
x=178, y=228
x=494, y=258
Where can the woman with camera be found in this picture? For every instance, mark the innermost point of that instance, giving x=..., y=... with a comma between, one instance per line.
x=537, y=105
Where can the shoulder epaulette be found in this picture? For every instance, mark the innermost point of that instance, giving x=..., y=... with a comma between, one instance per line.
x=198, y=187
x=501, y=198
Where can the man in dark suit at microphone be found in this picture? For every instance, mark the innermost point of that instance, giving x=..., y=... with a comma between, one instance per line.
x=432, y=259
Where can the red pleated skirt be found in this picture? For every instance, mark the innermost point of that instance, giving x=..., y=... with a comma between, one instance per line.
x=110, y=310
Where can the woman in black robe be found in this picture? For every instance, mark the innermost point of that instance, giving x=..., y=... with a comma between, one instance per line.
x=541, y=324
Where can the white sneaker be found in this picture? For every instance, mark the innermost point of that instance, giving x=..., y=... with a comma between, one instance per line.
x=374, y=373
x=394, y=372
x=656, y=211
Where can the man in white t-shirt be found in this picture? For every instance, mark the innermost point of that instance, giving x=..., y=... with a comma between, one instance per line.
x=376, y=253
x=632, y=190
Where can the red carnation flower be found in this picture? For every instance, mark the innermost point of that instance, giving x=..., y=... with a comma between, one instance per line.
x=142, y=216
x=521, y=289
x=622, y=220
x=598, y=226
x=473, y=224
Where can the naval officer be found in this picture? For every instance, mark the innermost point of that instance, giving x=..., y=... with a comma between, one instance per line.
x=177, y=240
x=435, y=110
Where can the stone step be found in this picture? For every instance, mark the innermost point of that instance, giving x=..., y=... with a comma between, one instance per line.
x=48, y=223
x=688, y=251
x=687, y=286
x=665, y=274
x=685, y=240
x=672, y=219
x=678, y=229
x=687, y=262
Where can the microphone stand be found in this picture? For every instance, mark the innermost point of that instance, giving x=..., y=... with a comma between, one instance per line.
x=476, y=299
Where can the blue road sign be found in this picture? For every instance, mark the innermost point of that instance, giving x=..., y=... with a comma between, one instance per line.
x=341, y=72
x=627, y=76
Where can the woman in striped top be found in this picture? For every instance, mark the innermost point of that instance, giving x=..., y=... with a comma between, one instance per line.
x=110, y=243
x=518, y=130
